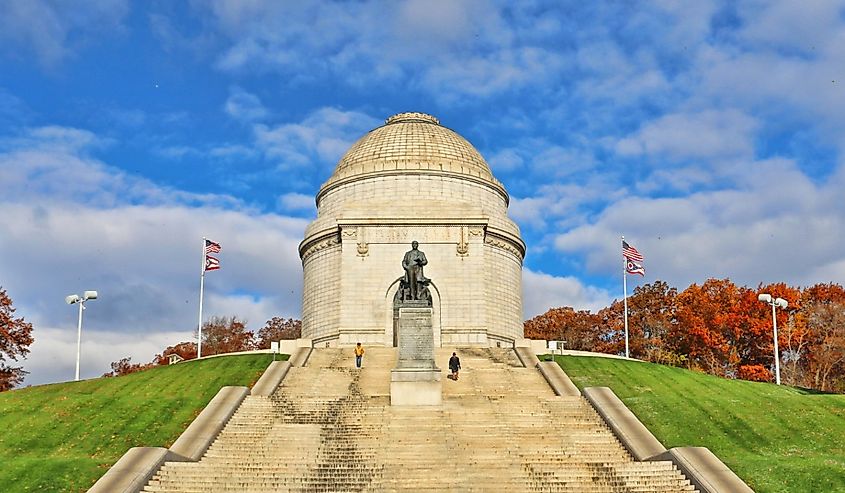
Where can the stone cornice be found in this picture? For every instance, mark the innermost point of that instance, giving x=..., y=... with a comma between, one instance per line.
x=506, y=241
x=413, y=221
x=333, y=184
x=318, y=241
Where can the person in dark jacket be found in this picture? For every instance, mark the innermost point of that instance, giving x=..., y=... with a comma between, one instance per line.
x=454, y=365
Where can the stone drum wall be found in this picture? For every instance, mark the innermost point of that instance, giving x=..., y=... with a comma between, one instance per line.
x=412, y=179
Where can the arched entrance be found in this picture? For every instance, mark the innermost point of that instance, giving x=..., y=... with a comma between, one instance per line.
x=392, y=313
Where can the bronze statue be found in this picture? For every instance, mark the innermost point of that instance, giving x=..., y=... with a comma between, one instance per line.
x=415, y=282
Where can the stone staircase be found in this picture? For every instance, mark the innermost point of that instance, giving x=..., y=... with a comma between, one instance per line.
x=330, y=428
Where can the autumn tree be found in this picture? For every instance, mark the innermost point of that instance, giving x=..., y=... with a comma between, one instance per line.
x=225, y=335
x=577, y=328
x=703, y=331
x=185, y=350
x=823, y=305
x=125, y=367
x=15, y=339
x=651, y=317
x=277, y=329
x=610, y=337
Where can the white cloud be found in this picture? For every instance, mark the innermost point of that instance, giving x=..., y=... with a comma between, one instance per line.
x=52, y=30
x=700, y=135
x=324, y=135
x=774, y=225
x=792, y=26
x=541, y=291
x=505, y=160
x=53, y=356
x=242, y=105
x=69, y=223
x=444, y=48
x=297, y=202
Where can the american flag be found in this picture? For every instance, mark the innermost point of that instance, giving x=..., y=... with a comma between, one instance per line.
x=211, y=263
x=211, y=247
x=631, y=253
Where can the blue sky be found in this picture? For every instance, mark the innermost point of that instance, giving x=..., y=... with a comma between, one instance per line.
x=709, y=133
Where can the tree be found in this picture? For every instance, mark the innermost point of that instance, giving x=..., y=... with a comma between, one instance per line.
x=652, y=313
x=125, y=367
x=703, y=331
x=225, y=335
x=277, y=329
x=822, y=308
x=186, y=350
x=578, y=328
x=15, y=339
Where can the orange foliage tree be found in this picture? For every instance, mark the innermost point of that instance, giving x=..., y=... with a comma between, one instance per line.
x=719, y=328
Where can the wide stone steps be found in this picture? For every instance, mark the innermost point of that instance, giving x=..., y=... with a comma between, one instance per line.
x=330, y=428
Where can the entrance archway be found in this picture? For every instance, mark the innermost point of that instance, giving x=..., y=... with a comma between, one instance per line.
x=392, y=315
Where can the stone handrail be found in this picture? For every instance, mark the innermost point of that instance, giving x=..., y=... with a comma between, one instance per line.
x=558, y=379
x=139, y=464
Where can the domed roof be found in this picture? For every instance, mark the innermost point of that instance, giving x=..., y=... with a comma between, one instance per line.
x=411, y=143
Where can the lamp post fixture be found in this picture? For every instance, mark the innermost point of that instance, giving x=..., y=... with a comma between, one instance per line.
x=75, y=298
x=776, y=302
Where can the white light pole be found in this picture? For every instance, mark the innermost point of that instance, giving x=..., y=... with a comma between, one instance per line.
x=776, y=302
x=74, y=298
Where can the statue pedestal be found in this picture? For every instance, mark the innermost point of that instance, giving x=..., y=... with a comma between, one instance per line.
x=416, y=380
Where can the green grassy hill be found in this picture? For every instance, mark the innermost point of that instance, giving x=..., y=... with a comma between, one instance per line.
x=63, y=437
x=776, y=438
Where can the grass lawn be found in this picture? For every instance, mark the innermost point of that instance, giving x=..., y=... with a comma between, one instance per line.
x=63, y=437
x=777, y=439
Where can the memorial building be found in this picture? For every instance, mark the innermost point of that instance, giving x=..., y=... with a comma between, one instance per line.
x=412, y=180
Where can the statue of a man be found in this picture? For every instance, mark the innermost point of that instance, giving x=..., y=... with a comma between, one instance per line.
x=413, y=264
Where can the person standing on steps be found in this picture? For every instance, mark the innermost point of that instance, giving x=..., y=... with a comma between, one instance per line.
x=454, y=365
x=359, y=355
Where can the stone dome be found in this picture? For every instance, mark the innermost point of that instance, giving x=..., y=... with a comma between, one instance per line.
x=412, y=143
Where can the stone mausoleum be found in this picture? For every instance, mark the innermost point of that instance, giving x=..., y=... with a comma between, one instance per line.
x=412, y=179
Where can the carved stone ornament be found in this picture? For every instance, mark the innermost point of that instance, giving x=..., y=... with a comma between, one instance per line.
x=320, y=245
x=503, y=244
x=363, y=249
x=463, y=243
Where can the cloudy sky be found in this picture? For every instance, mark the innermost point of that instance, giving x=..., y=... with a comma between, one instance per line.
x=709, y=133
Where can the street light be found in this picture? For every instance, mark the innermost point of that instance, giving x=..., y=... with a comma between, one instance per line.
x=74, y=298
x=777, y=302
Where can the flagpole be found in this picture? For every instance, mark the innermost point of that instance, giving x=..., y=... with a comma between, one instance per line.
x=202, y=282
x=625, y=297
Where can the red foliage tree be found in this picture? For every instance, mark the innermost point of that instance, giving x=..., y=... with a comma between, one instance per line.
x=186, y=350
x=15, y=339
x=277, y=329
x=225, y=335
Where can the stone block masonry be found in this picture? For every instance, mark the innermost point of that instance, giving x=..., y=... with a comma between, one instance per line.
x=416, y=380
x=412, y=179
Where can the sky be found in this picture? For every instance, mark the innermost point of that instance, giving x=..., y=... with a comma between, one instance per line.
x=709, y=133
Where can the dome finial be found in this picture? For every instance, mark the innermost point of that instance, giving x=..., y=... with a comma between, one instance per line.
x=412, y=116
